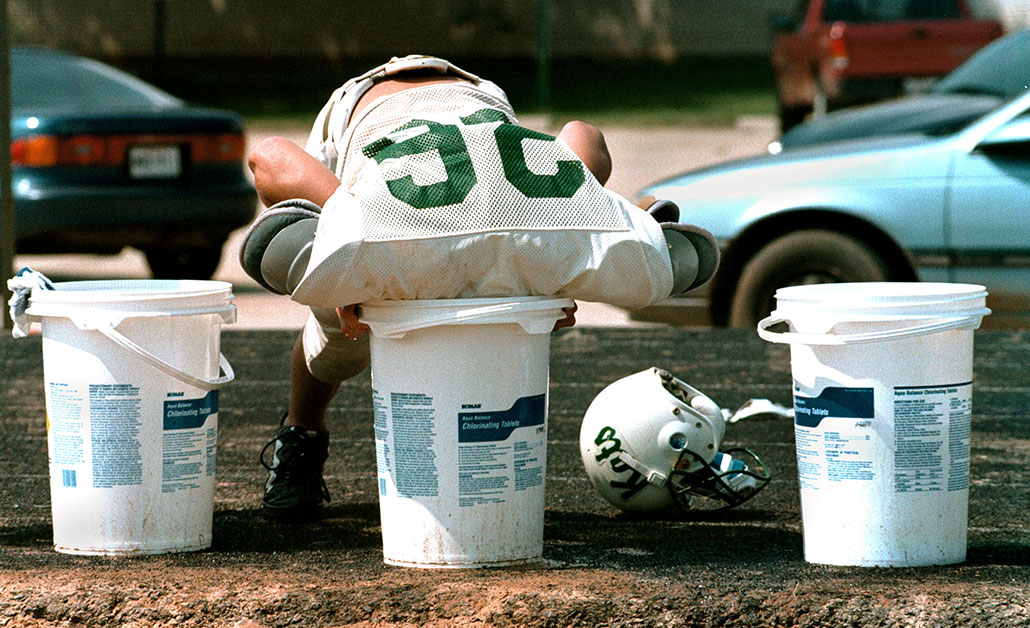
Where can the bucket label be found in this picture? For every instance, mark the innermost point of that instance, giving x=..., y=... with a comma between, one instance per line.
x=114, y=411
x=181, y=414
x=98, y=426
x=66, y=423
x=490, y=461
x=495, y=455
x=834, y=436
x=412, y=456
x=931, y=437
x=188, y=447
x=479, y=426
x=842, y=403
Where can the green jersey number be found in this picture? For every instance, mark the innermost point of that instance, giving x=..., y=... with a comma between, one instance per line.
x=447, y=141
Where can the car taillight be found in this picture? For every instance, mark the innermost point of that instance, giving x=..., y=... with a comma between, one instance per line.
x=41, y=151
x=35, y=151
x=82, y=150
x=224, y=148
x=837, y=49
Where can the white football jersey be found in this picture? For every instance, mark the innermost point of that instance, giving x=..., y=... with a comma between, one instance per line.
x=445, y=196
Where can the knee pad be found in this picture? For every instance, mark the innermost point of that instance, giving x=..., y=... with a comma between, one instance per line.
x=329, y=355
x=693, y=251
x=277, y=247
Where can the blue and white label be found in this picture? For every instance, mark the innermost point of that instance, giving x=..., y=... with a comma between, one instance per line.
x=834, y=436
x=843, y=403
x=485, y=426
x=916, y=440
x=184, y=414
x=501, y=450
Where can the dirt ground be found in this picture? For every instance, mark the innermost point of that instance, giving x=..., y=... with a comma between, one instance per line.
x=744, y=568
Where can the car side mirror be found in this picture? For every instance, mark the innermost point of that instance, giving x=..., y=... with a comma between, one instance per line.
x=1012, y=139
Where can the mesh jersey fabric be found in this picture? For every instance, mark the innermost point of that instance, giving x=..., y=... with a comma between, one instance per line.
x=333, y=121
x=445, y=196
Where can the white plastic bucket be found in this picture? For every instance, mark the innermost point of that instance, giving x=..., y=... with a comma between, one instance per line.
x=883, y=378
x=459, y=390
x=132, y=375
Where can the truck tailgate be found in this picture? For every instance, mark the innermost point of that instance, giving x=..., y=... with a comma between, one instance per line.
x=912, y=48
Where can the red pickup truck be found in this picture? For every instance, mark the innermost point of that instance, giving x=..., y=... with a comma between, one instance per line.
x=833, y=53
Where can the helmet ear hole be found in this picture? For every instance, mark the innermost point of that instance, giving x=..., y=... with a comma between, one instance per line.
x=678, y=441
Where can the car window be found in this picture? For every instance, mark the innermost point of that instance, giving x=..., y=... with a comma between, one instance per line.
x=889, y=10
x=53, y=81
x=1000, y=69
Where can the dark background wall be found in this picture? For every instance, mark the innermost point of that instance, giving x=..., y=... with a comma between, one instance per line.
x=296, y=49
x=331, y=29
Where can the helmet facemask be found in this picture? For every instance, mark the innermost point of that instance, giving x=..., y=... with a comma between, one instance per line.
x=742, y=478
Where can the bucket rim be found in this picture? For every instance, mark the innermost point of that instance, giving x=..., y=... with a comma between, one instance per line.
x=118, y=290
x=461, y=304
x=881, y=292
x=887, y=297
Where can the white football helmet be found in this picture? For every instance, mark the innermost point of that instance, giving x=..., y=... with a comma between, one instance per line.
x=651, y=443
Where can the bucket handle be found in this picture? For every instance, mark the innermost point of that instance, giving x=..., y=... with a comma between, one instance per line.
x=165, y=367
x=946, y=324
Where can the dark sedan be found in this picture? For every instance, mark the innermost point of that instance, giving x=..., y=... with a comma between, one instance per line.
x=102, y=160
x=993, y=75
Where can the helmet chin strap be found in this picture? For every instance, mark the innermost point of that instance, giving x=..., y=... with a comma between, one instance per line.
x=652, y=476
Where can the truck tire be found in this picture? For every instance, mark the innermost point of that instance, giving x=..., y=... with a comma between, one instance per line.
x=799, y=258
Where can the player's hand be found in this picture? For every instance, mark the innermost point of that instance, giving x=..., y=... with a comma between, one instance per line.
x=570, y=317
x=349, y=323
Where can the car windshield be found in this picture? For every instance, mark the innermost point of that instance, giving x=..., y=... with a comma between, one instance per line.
x=889, y=10
x=42, y=80
x=1000, y=69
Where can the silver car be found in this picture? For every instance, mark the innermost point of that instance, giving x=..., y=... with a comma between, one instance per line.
x=900, y=208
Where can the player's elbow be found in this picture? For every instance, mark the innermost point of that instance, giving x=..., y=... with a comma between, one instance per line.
x=588, y=143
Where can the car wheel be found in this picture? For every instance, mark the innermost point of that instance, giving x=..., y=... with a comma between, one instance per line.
x=196, y=263
x=800, y=258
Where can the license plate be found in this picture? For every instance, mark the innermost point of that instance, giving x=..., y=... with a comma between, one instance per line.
x=155, y=162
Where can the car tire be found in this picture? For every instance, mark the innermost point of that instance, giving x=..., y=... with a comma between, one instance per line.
x=192, y=263
x=800, y=258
